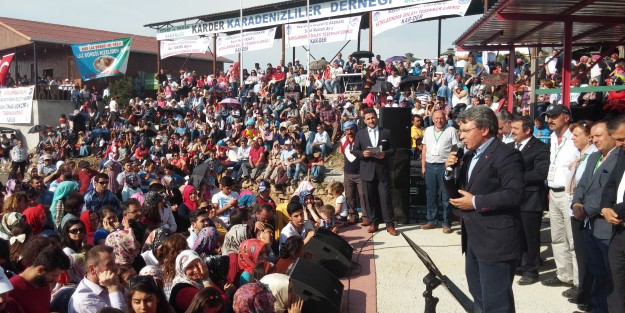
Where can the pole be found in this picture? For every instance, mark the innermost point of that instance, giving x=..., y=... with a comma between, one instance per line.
x=534, y=65
x=307, y=38
x=214, y=54
x=566, y=64
x=34, y=79
x=241, y=43
x=370, y=32
x=511, y=63
x=358, y=43
x=293, y=60
x=438, y=52
x=485, y=7
x=158, y=57
x=283, y=46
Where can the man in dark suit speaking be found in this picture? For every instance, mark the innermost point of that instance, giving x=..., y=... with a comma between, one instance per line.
x=489, y=183
x=536, y=160
x=371, y=146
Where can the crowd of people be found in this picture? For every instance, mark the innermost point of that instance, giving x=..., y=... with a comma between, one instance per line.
x=177, y=213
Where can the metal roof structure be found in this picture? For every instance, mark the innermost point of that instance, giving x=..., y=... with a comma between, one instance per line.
x=539, y=23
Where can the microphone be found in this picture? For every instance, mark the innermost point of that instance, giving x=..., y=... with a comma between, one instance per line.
x=459, y=149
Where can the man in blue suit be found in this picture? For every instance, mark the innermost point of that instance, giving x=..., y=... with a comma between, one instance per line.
x=490, y=178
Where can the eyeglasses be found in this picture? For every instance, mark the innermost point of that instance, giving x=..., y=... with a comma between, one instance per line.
x=467, y=131
x=103, y=182
x=75, y=231
x=205, y=208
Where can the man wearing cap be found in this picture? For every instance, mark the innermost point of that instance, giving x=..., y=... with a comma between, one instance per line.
x=349, y=113
x=47, y=170
x=354, y=193
x=563, y=154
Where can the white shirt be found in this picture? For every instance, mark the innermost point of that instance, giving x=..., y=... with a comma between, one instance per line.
x=562, y=155
x=620, y=190
x=89, y=297
x=322, y=138
x=374, y=136
x=149, y=258
x=113, y=106
x=438, y=144
x=289, y=231
x=523, y=143
x=507, y=138
x=191, y=238
x=394, y=80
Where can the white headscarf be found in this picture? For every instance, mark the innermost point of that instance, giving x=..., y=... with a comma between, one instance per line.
x=279, y=286
x=182, y=262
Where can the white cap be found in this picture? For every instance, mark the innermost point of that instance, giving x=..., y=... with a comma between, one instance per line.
x=5, y=284
x=287, y=142
x=389, y=98
x=348, y=105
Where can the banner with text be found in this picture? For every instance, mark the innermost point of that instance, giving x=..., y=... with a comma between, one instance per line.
x=327, y=9
x=340, y=29
x=385, y=20
x=16, y=105
x=102, y=59
x=171, y=48
x=252, y=41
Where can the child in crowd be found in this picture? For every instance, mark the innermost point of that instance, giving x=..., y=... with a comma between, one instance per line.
x=226, y=200
x=298, y=225
x=340, y=204
x=541, y=131
x=326, y=218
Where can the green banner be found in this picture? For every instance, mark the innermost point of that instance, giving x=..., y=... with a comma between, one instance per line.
x=102, y=59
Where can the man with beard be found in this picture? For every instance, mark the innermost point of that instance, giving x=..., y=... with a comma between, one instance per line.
x=45, y=195
x=32, y=287
x=101, y=286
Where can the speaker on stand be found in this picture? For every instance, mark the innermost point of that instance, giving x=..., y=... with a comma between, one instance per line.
x=320, y=290
x=331, y=251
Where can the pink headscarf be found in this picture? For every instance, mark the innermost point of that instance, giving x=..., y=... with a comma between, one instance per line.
x=125, y=246
x=188, y=189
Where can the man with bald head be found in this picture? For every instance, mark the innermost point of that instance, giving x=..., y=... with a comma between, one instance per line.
x=437, y=142
x=587, y=208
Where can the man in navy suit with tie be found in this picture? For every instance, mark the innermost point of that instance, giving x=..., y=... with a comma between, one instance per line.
x=490, y=178
x=371, y=147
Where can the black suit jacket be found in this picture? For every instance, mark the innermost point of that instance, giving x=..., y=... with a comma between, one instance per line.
x=608, y=198
x=371, y=168
x=494, y=227
x=536, y=161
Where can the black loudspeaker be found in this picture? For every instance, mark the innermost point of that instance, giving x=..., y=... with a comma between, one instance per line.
x=399, y=166
x=320, y=290
x=397, y=120
x=331, y=251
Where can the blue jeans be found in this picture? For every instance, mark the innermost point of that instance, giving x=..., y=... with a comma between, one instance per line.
x=294, y=170
x=436, y=194
x=317, y=172
x=323, y=148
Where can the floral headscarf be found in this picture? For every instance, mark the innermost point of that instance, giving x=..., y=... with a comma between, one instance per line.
x=155, y=239
x=235, y=236
x=152, y=199
x=207, y=241
x=279, y=286
x=183, y=260
x=248, y=254
x=253, y=298
x=152, y=270
x=8, y=220
x=131, y=181
x=302, y=196
x=218, y=269
x=125, y=246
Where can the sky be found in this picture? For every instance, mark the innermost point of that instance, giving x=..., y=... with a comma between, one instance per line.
x=129, y=16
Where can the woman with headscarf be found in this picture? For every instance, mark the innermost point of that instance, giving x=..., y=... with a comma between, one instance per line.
x=125, y=248
x=191, y=276
x=132, y=185
x=207, y=242
x=189, y=203
x=12, y=186
x=251, y=253
x=36, y=218
x=8, y=221
x=253, y=298
x=279, y=285
x=153, y=203
x=63, y=190
x=151, y=248
x=113, y=168
x=91, y=221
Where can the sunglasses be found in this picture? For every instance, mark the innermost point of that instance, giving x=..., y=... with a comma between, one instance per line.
x=103, y=182
x=76, y=230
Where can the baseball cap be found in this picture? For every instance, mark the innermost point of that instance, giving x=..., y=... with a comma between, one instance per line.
x=390, y=98
x=288, y=142
x=348, y=105
x=556, y=109
x=5, y=284
x=262, y=186
x=47, y=157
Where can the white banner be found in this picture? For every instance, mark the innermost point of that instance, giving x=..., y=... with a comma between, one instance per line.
x=252, y=41
x=327, y=9
x=16, y=105
x=340, y=29
x=171, y=48
x=385, y=20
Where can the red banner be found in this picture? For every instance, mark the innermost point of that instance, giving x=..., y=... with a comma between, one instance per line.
x=5, y=64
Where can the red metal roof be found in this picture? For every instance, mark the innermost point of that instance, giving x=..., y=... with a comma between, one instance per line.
x=62, y=34
x=525, y=23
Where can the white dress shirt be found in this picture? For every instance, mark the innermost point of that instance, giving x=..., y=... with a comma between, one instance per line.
x=374, y=135
x=523, y=144
x=90, y=297
x=562, y=155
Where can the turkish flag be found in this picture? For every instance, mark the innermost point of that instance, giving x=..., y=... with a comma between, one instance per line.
x=5, y=64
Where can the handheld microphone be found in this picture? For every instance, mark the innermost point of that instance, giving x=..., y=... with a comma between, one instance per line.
x=459, y=149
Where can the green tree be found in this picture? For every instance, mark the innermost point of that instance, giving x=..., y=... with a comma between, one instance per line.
x=123, y=89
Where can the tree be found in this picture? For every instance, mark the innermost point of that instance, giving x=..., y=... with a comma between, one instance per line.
x=123, y=89
x=410, y=56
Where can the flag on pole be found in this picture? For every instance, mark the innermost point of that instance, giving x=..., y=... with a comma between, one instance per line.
x=5, y=64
